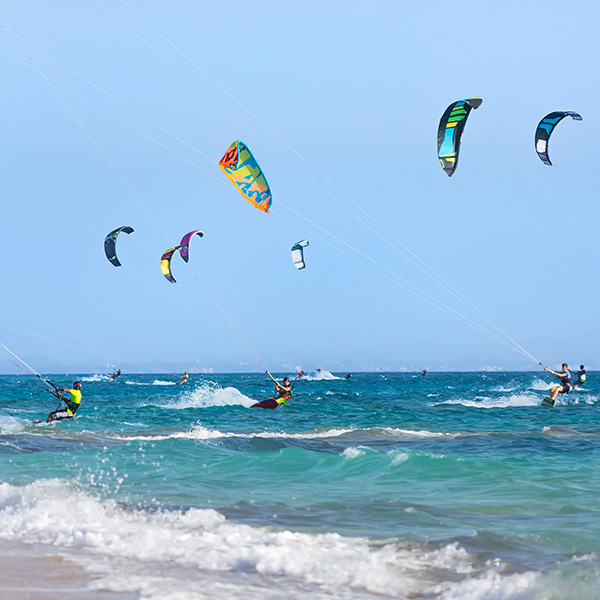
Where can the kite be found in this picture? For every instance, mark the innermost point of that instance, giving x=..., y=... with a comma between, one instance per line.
x=184, y=247
x=165, y=263
x=546, y=127
x=110, y=244
x=298, y=254
x=450, y=132
x=243, y=171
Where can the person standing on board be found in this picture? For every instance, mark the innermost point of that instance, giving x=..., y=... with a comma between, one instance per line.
x=565, y=381
x=184, y=378
x=72, y=404
x=581, y=376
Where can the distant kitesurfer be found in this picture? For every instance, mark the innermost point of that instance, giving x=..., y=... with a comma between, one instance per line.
x=565, y=382
x=348, y=375
x=115, y=375
x=184, y=378
x=318, y=369
x=581, y=376
x=300, y=374
x=283, y=391
x=423, y=372
x=72, y=403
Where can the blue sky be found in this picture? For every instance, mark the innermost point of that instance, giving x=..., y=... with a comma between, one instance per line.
x=117, y=114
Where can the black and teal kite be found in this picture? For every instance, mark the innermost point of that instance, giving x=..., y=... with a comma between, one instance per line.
x=110, y=244
x=450, y=131
x=546, y=127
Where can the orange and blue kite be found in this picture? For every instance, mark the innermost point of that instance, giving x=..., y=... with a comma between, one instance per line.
x=243, y=171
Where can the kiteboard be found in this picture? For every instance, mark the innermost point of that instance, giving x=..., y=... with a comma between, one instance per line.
x=268, y=403
x=547, y=401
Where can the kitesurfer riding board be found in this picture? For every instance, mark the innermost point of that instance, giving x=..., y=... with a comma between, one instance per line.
x=283, y=391
x=72, y=403
x=563, y=388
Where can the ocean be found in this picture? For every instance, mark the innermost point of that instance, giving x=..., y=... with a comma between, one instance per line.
x=383, y=485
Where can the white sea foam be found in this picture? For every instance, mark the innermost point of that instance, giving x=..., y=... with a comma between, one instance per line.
x=199, y=432
x=209, y=394
x=96, y=377
x=514, y=400
x=320, y=376
x=351, y=452
x=504, y=388
x=541, y=384
x=155, y=382
x=180, y=548
x=11, y=425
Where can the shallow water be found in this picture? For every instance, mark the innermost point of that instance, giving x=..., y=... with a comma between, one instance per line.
x=453, y=485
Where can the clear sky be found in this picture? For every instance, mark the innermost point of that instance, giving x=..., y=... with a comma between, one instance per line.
x=117, y=113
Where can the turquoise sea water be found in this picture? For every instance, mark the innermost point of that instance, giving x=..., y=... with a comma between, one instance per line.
x=387, y=485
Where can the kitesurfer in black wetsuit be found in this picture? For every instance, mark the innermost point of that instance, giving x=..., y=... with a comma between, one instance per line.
x=565, y=382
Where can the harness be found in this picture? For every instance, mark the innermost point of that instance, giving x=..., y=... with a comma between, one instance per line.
x=286, y=394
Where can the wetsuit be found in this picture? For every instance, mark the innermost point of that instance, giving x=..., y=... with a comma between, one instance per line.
x=72, y=406
x=565, y=382
x=581, y=376
x=285, y=394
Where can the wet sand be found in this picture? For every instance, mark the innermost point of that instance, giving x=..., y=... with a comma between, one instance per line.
x=36, y=572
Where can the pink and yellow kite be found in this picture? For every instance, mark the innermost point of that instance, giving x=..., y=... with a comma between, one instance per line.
x=243, y=171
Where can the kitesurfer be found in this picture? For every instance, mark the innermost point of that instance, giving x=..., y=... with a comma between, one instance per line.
x=565, y=382
x=423, y=372
x=300, y=374
x=581, y=376
x=348, y=375
x=184, y=378
x=283, y=391
x=115, y=375
x=72, y=403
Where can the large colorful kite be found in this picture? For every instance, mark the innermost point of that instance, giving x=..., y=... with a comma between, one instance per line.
x=243, y=171
x=450, y=131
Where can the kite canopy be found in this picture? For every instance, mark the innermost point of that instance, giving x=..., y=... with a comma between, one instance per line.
x=243, y=171
x=110, y=244
x=545, y=128
x=298, y=254
x=184, y=247
x=165, y=263
x=450, y=132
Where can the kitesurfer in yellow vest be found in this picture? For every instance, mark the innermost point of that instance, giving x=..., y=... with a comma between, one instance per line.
x=72, y=404
x=184, y=378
